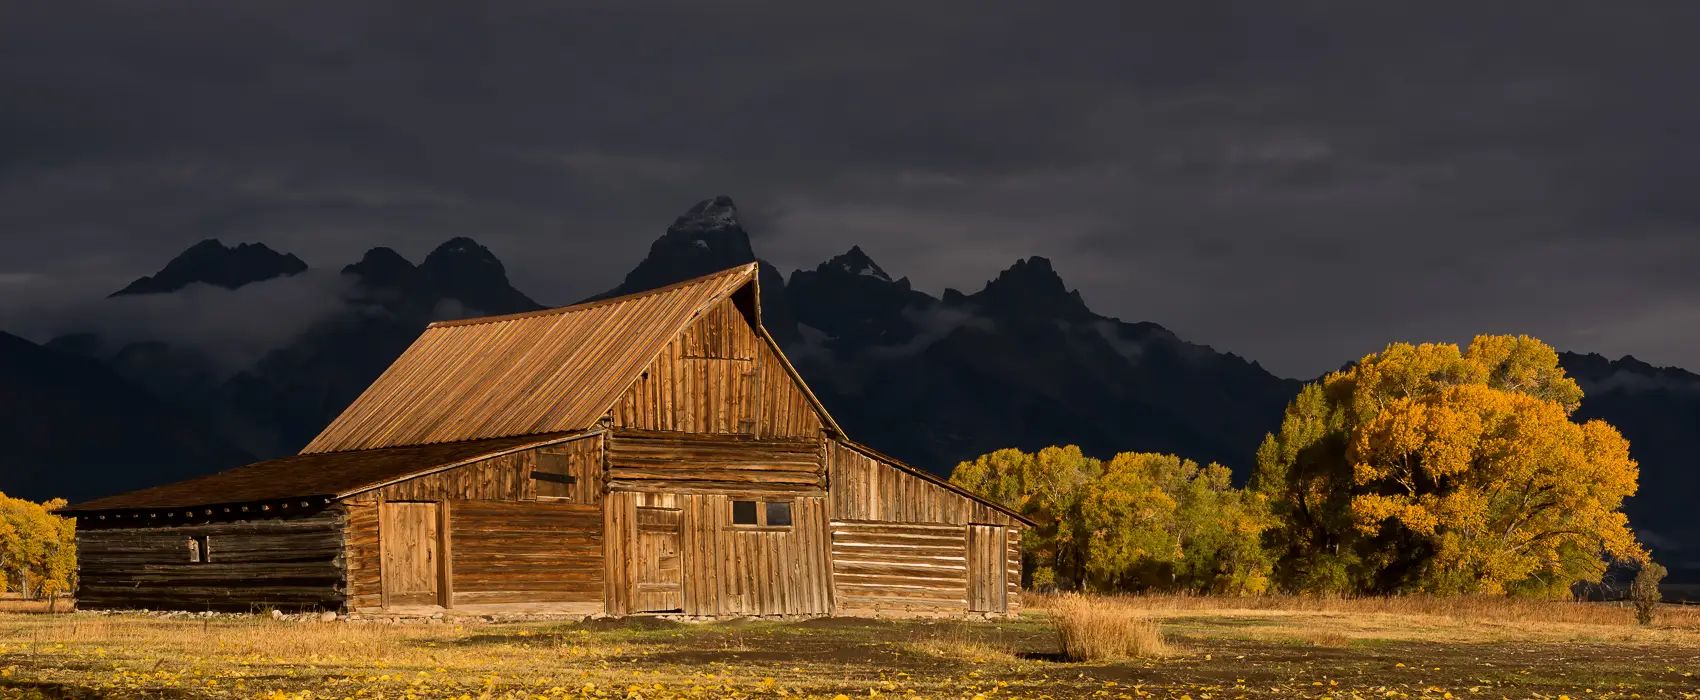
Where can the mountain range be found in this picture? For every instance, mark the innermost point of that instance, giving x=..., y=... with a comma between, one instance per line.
x=1022, y=362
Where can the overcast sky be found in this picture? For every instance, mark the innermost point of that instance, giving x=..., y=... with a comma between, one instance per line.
x=1295, y=182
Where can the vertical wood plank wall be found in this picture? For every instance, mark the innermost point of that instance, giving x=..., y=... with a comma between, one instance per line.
x=733, y=570
x=864, y=488
x=287, y=562
x=411, y=534
x=718, y=377
x=988, y=568
x=726, y=569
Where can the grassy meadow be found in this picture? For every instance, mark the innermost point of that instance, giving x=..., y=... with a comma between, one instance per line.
x=1207, y=649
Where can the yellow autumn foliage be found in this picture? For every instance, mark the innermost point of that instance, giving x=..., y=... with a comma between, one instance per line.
x=1430, y=468
x=38, y=553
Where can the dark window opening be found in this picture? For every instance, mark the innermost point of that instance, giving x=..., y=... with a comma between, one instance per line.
x=744, y=513
x=779, y=514
x=200, y=551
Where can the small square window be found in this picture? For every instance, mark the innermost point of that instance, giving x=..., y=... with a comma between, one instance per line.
x=554, y=476
x=744, y=513
x=779, y=514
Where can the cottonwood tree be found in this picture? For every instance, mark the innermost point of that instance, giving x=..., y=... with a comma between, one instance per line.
x=37, y=548
x=1156, y=521
x=1429, y=469
x=1047, y=487
x=1139, y=521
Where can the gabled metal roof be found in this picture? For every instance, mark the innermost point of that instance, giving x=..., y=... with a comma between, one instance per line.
x=540, y=372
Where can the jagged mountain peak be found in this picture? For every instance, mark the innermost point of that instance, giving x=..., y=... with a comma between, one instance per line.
x=855, y=262
x=1597, y=374
x=713, y=214
x=1030, y=287
x=460, y=251
x=465, y=270
x=383, y=268
x=707, y=238
x=212, y=262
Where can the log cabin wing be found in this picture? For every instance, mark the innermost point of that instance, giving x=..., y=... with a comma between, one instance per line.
x=652, y=453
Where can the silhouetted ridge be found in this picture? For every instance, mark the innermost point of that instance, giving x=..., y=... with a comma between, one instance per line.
x=1031, y=288
x=211, y=262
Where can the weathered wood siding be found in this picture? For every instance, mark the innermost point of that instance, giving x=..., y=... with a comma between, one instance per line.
x=503, y=478
x=582, y=460
x=412, y=543
x=1014, y=576
x=718, y=377
x=503, y=543
x=682, y=463
x=880, y=568
x=294, y=562
x=864, y=488
x=362, y=557
x=526, y=552
x=988, y=568
x=725, y=569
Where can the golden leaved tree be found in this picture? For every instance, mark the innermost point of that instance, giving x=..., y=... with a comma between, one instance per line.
x=38, y=551
x=1430, y=469
x=1156, y=521
x=1137, y=522
x=1046, y=486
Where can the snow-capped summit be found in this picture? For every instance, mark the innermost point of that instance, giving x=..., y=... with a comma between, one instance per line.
x=709, y=215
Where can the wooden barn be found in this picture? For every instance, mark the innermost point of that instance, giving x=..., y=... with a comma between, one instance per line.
x=652, y=453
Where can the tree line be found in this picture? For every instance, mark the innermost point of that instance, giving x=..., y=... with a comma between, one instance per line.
x=1419, y=469
x=38, y=550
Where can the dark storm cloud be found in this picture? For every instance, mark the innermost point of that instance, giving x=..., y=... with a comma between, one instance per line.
x=1297, y=182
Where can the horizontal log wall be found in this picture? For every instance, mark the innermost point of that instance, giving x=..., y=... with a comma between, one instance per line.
x=898, y=568
x=1014, y=581
x=542, y=552
x=248, y=565
x=680, y=463
x=864, y=488
x=362, y=557
x=718, y=377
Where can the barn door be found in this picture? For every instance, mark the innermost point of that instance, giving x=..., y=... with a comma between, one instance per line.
x=410, y=557
x=656, y=578
x=988, y=556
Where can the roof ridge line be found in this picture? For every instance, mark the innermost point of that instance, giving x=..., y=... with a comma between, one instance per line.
x=746, y=267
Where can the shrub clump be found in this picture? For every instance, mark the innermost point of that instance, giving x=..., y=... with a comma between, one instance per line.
x=1644, y=591
x=1096, y=629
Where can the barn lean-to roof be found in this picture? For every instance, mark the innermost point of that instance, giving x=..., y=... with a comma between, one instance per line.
x=325, y=475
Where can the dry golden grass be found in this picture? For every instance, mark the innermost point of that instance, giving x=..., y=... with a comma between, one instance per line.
x=1338, y=621
x=1094, y=629
x=960, y=641
x=1221, y=648
x=26, y=605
